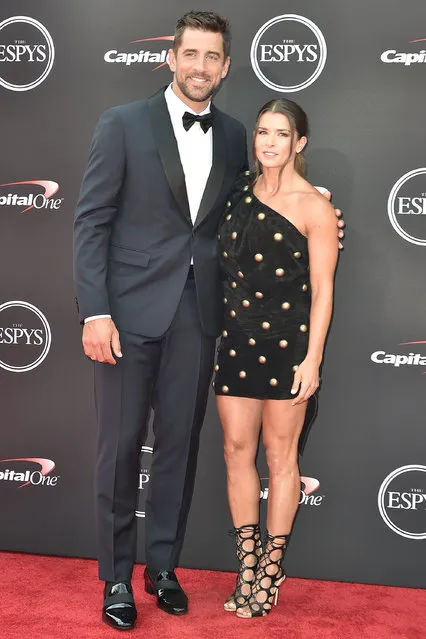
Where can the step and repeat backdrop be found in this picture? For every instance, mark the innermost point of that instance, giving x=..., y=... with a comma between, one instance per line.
x=359, y=71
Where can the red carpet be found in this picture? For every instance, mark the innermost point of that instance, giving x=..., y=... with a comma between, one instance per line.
x=53, y=598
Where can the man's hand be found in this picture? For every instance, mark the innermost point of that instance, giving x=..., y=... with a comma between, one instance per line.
x=340, y=221
x=100, y=340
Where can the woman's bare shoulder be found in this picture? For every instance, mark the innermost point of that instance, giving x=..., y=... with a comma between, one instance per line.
x=316, y=206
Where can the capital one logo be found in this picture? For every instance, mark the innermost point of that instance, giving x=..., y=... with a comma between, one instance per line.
x=288, y=53
x=144, y=475
x=402, y=501
x=26, y=471
x=144, y=55
x=392, y=56
x=309, y=486
x=407, y=206
x=25, y=336
x=24, y=196
x=401, y=359
x=27, y=53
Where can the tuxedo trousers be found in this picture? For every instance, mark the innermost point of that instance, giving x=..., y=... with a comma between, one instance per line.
x=170, y=374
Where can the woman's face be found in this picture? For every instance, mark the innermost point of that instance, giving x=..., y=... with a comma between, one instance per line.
x=272, y=141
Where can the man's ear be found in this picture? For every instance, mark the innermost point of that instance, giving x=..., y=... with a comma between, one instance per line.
x=171, y=59
x=226, y=67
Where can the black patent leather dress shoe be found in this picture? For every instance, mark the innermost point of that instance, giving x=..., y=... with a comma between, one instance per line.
x=119, y=610
x=170, y=596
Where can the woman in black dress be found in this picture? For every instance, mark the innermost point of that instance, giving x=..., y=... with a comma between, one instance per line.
x=278, y=255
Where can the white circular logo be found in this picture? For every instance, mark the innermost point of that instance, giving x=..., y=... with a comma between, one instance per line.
x=288, y=53
x=407, y=207
x=144, y=475
x=25, y=336
x=27, y=53
x=402, y=501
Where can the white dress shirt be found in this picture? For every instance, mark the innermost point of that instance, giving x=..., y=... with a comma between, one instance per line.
x=195, y=150
x=196, y=154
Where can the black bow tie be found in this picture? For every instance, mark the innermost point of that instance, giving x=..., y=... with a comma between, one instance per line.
x=206, y=121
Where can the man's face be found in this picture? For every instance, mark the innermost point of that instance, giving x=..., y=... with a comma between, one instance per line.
x=198, y=65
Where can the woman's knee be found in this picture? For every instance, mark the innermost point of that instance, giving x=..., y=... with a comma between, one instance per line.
x=238, y=451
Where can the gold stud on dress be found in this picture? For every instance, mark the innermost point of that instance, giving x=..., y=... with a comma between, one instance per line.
x=278, y=237
x=279, y=272
x=285, y=306
x=242, y=374
x=258, y=257
x=262, y=359
x=225, y=333
x=252, y=342
x=225, y=389
x=273, y=381
x=232, y=313
x=245, y=303
x=266, y=325
x=259, y=295
x=234, y=284
x=232, y=352
x=248, y=199
x=234, y=235
x=228, y=204
x=283, y=343
x=228, y=217
x=225, y=300
x=225, y=254
x=304, y=288
x=216, y=367
x=261, y=216
x=303, y=328
x=240, y=274
x=297, y=254
x=295, y=367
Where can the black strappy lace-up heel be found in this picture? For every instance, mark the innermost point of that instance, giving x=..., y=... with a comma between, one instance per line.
x=269, y=576
x=249, y=550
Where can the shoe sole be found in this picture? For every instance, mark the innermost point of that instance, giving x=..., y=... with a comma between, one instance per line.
x=117, y=627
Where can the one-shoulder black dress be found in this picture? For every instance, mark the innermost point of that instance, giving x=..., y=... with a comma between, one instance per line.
x=265, y=265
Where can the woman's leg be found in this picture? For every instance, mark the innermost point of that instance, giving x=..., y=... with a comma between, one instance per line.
x=282, y=424
x=241, y=420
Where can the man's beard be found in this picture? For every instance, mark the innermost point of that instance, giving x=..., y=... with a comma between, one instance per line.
x=201, y=95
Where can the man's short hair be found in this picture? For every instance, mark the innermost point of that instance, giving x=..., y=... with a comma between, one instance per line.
x=204, y=21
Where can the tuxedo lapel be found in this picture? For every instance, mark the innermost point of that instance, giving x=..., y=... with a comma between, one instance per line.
x=217, y=173
x=167, y=147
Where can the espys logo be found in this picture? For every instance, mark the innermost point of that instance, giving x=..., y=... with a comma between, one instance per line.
x=307, y=498
x=39, y=476
x=402, y=501
x=392, y=56
x=27, y=53
x=25, y=336
x=400, y=359
x=144, y=475
x=143, y=55
x=288, y=53
x=24, y=196
x=407, y=206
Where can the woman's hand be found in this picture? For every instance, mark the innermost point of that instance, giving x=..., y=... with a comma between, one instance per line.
x=307, y=379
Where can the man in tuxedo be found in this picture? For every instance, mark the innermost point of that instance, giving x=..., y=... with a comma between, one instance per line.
x=150, y=298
